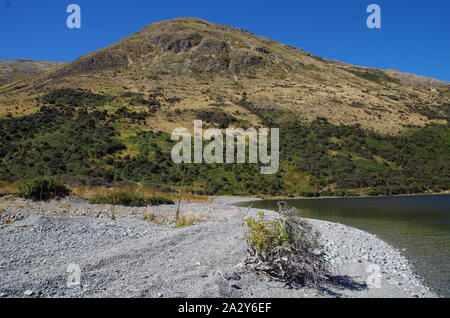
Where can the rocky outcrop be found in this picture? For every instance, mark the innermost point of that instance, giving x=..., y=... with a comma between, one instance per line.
x=245, y=60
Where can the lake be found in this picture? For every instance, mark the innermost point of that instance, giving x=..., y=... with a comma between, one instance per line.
x=417, y=225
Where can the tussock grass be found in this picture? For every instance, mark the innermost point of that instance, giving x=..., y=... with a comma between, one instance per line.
x=3, y=206
x=4, y=218
x=103, y=195
x=184, y=219
x=128, y=197
x=9, y=188
x=158, y=219
x=92, y=192
x=187, y=219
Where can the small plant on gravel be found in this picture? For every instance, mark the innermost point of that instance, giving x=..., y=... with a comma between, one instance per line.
x=151, y=217
x=42, y=189
x=2, y=210
x=184, y=219
x=157, y=219
x=286, y=249
x=187, y=219
x=3, y=205
x=113, y=214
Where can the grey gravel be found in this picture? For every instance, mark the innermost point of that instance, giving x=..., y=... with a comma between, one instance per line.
x=130, y=257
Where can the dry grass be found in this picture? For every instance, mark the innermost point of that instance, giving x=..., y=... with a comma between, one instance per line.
x=8, y=188
x=184, y=220
x=310, y=91
x=91, y=192
x=4, y=218
x=12, y=188
x=158, y=219
x=3, y=206
x=187, y=219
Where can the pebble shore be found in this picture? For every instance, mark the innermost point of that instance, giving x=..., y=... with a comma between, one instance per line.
x=120, y=254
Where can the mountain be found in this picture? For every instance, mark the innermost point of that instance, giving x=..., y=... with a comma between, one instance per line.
x=218, y=63
x=19, y=69
x=345, y=129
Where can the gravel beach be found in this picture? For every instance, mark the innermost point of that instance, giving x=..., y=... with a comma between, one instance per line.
x=131, y=257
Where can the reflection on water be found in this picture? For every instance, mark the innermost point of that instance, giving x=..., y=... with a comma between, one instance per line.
x=418, y=224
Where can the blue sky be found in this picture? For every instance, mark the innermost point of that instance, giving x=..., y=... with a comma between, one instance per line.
x=414, y=38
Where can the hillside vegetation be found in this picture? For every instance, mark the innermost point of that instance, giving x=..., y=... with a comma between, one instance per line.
x=81, y=144
x=107, y=117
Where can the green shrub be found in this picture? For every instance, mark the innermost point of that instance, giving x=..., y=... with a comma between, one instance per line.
x=128, y=198
x=264, y=235
x=74, y=97
x=216, y=116
x=286, y=248
x=43, y=189
x=158, y=201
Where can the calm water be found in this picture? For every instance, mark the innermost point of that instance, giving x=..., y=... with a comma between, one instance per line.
x=418, y=224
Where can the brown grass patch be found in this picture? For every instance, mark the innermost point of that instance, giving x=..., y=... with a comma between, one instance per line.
x=187, y=219
x=4, y=218
x=184, y=220
x=8, y=188
x=3, y=207
x=91, y=192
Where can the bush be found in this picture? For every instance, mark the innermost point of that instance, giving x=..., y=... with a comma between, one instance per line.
x=75, y=181
x=158, y=201
x=157, y=187
x=128, y=198
x=286, y=249
x=74, y=97
x=216, y=116
x=40, y=189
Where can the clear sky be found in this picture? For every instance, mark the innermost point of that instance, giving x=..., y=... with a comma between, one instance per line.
x=414, y=38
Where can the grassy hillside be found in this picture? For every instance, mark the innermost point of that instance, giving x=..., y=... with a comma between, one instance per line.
x=83, y=145
x=107, y=116
x=16, y=70
x=198, y=65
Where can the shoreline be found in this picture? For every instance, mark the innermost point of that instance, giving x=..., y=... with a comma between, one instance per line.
x=130, y=257
x=323, y=223
x=341, y=197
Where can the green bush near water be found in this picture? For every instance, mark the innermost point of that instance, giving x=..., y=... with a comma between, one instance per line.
x=285, y=248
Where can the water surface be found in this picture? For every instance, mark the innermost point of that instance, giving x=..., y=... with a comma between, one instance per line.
x=418, y=225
